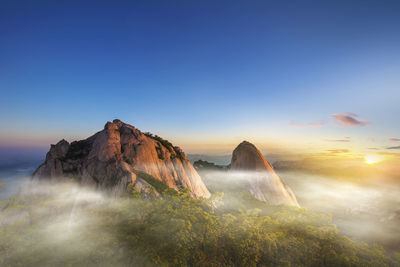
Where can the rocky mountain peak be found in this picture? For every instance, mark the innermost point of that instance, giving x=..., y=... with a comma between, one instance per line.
x=264, y=184
x=121, y=155
x=247, y=157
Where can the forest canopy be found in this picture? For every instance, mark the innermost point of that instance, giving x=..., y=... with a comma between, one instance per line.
x=66, y=225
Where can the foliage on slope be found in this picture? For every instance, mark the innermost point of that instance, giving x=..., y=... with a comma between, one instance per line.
x=159, y=186
x=164, y=142
x=177, y=230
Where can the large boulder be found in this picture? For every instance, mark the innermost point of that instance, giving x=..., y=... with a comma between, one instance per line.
x=118, y=156
x=263, y=182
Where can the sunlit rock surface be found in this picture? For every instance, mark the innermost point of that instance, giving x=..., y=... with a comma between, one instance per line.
x=114, y=158
x=264, y=183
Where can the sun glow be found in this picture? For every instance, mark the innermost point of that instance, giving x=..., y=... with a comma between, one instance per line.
x=372, y=159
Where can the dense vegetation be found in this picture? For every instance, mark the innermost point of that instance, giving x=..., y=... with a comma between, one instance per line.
x=65, y=226
x=168, y=145
x=155, y=184
x=164, y=142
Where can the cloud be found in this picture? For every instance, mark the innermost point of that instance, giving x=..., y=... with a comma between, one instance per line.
x=316, y=124
x=336, y=151
x=308, y=124
x=345, y=139
x=394, y=139
x=393, y=147
x=349, y=119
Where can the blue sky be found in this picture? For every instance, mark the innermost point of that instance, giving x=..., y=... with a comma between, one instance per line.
x=200, y=73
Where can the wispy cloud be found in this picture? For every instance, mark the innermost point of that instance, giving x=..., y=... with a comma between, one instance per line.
x=394, y=139
x=317, y=124
x=393, y=147
x=345, y=139
x=337, y=151
x=346, y=119
x=350, y=119
x=308, y=124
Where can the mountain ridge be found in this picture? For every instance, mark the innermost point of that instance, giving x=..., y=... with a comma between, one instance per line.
x=113, y=157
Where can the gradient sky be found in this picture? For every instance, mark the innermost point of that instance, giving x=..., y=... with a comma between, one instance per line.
x=205, y=75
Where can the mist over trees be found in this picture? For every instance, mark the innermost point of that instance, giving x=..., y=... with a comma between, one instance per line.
x=67, y=225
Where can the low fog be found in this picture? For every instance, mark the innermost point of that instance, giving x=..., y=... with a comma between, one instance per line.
x=60, y=223
x=365, y=212
x=72, y=223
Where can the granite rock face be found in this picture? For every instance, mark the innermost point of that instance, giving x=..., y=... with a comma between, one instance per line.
x=115, y=157
x=263, y=182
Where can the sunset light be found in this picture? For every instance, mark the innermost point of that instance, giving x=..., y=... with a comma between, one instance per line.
x=199, y=133
x=372, y=159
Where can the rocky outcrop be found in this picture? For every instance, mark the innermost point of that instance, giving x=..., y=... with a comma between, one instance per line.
x=118, y=156
x=264, y=184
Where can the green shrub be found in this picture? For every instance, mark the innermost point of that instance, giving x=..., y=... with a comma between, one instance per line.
x=158, y=185
x=164, y=142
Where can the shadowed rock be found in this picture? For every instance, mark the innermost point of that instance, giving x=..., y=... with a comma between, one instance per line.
x=118, y=156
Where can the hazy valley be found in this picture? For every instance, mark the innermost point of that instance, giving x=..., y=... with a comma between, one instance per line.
x=253, y=214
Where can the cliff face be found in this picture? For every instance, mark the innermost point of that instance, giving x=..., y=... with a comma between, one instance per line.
x=264, y=184
x=118, y=156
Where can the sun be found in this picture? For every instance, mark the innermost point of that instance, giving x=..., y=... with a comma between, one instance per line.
x=372, y=159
